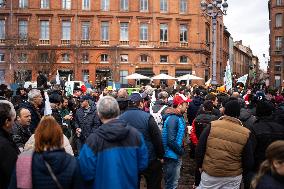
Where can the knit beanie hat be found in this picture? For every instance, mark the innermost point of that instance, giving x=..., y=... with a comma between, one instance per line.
x=232, y=108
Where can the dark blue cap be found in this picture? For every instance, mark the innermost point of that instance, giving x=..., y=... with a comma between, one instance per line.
x=135, y=97
x=84, y=97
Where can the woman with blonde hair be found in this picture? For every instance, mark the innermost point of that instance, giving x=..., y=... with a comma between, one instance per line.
x=271, y=171
x=49, y=166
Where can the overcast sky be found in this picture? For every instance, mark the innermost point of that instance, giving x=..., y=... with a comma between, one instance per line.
x=248, y=20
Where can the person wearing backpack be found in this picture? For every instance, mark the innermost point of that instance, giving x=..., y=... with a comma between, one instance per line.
x=160, y=107
x=199, y=124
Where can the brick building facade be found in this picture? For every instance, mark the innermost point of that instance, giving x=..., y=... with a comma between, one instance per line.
x=276, y=50
x=242, y=59
x=106, y=39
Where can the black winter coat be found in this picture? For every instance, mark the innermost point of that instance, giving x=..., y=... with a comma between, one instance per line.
x=88, y=123
x=247, y=118
x=271, y=181
x=35, y=115
x=193, y=108
x=265, y=131
x=20, y=135
x=8, y=157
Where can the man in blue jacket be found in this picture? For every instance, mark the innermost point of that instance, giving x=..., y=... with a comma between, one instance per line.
x=172, y=137
x=115, y=153
x=145, y=123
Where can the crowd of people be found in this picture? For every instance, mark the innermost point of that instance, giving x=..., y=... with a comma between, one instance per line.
x=112, y=139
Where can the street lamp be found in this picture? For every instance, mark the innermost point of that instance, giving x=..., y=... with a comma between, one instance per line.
x=2, y=3
x=214, y=9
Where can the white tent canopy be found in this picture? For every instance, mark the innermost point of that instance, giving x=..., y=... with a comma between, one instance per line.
x=137, y=76
x=163, y=76
x=189, y=77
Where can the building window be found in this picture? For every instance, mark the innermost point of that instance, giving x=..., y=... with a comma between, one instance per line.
x=277, y=81
x=66, y=30
x=65, y=57
x=278, y=2
x=163, y=5
x=183, y=33
x=85, y=30
x=278, y=43
x=104, y=58
x=44, y=57
x=23, y=29
x=143, y=32
x=124, y=58
x=23, y=3
x=183, y=59
x=85, y=75
x=44, y=4
x=85, y=58
x=105, y=31
x=86, y=4
x=122, y=76
x=164, y=58
x=2, y=76
x=183, y=6
x=143, y=58
x=123, y=31
x=23, y=57
x=66, y=4
x=163, y=32
x=143, y=5
x=44, y=30
x=105, y=5
x=2, y=57
x=2, y=29
x=124, y=5
x=278, y=20
x=277, y=66
x=207, y=31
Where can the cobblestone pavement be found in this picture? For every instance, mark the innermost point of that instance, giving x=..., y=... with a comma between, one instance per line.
x=187, y=173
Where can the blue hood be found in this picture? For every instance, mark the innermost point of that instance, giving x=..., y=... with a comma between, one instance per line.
x=115, y=130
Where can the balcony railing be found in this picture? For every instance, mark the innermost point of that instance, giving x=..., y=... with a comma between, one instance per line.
x=23, y=41
x=143, y=43
x=85, y=42
x=183, y=44
x=44, y=42
x=104, y=42
x=65, y=42
x=124, y=43
x=164, y=43
x=2, y=41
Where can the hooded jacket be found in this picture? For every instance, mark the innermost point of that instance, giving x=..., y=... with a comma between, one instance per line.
x=173, y=133
x=193, y=108
x=265, y=131
x=63, y=165
x=113, y=156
